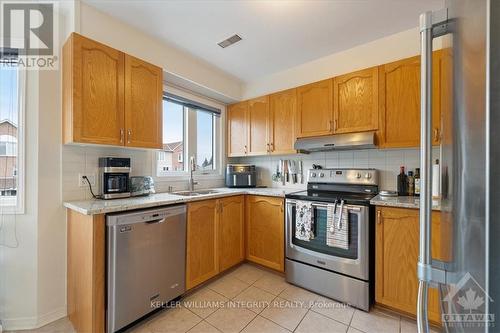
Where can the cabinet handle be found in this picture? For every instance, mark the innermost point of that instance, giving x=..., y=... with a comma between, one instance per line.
x=122, y=134
x=245, y=149
x=268, y=148
x=335, y=125
x=272, y=146
x=436, y=134
x=281, y=206
x=379, y=216
x=129, y=135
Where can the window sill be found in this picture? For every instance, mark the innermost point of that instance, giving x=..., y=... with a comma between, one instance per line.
x=177, y=177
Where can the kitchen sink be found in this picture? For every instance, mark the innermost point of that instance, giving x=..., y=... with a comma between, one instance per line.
x=195, y=193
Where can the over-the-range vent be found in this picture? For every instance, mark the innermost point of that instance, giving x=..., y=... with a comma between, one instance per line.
x=229, y=41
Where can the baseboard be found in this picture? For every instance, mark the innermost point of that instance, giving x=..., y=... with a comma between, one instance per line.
x=27, y=323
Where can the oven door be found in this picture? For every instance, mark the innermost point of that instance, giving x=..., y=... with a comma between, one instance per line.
x=353, y=261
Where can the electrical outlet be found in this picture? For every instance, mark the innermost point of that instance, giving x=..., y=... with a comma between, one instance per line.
x=82, y=182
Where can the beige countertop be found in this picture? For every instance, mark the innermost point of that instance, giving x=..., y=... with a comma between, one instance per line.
x=91, y=207
x=402, y=202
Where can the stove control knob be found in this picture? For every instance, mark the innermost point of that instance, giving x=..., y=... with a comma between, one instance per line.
x=313, y=174
x=322, y=175
x=368, y=176
x=358, y=175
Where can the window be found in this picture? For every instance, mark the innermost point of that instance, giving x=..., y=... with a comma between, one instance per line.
x=11, y=137
x=189, y=129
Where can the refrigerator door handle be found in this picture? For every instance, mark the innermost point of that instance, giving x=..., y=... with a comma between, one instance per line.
x=431, y=25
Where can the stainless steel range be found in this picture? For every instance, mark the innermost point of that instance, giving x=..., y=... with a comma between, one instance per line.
x=341, y=270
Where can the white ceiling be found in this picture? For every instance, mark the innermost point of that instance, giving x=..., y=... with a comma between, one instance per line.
x=277, y=35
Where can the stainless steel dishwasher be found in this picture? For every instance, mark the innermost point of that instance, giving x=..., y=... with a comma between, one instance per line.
x=146, y=262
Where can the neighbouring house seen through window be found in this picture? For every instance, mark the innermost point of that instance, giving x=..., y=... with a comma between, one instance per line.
x=189, y=129
x=11, y=97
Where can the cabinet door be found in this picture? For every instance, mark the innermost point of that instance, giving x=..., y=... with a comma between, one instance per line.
x=93, y=98
x=143, y=103
x=314, y=109
x=231, y=231
x=397, y=239
x=283, y=107
x=258, y=126
x=399, y=98
x=265, y=231
x=237, y=124
x=202, y=259
x=355, y=101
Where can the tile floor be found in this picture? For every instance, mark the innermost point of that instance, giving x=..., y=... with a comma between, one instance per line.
x=253, y=300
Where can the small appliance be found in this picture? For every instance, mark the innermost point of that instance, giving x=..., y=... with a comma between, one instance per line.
x=114, y=177
x=241, y=175
x=141, y=185
x=342, y=273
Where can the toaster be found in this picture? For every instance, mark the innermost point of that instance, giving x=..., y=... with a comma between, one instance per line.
x=141, y=185
x=241, y=175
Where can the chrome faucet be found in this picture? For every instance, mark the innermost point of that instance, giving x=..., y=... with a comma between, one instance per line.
x=192, y=168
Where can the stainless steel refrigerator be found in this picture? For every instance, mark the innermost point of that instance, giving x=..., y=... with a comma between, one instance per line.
x=469, y=33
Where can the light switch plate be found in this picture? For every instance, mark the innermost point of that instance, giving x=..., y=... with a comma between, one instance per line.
x=82, y=182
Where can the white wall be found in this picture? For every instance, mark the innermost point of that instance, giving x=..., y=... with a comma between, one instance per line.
x=387, y=161
x=391, y=48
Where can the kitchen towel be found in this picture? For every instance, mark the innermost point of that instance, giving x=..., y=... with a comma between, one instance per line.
x=337, y=226
x=304, y=224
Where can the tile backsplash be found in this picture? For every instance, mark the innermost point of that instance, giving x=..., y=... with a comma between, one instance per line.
x=387, y=161
x=84, y=160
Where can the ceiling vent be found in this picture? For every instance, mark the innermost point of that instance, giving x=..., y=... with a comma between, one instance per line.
x=229, y=41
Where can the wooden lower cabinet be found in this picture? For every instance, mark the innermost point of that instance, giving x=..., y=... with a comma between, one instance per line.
x=215, y=237
x=86, y=267
x=231, y=231
x=265, y=231
x=202, y=260
x=397, y=239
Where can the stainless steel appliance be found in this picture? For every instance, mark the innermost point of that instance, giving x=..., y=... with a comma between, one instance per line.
x=146, y=252
x=141, y=185
x=114, y=177
x=468, y=281
x=346, y=275
x=241, y=175
x=361, y=140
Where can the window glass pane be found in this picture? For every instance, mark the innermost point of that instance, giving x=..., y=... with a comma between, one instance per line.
x=204, y=141
x=173, y=138
x=9, y=111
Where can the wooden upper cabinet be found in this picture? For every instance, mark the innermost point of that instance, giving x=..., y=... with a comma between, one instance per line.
x=93, y=92
x=314, y=109
x=258, y=126
x=110, y=97
x=355, y=101
x=282, y=114
x=231, y=231
x=397, y=239
x=202, y=258
x=399, y=98
x=237, y=115
x=143, y=103
x=265, y=231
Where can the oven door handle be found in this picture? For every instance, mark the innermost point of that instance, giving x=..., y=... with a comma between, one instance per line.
x=349, y=207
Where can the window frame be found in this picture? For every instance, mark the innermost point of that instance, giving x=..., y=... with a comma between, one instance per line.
x=189, y=142
x=19, y=208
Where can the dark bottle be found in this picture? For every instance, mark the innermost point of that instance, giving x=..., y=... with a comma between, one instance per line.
x=417, y=181
x=402, y=182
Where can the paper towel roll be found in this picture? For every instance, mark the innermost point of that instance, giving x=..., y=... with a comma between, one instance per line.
x=436, y=184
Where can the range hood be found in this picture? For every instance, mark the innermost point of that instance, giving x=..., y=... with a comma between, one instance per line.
x=362, y=140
